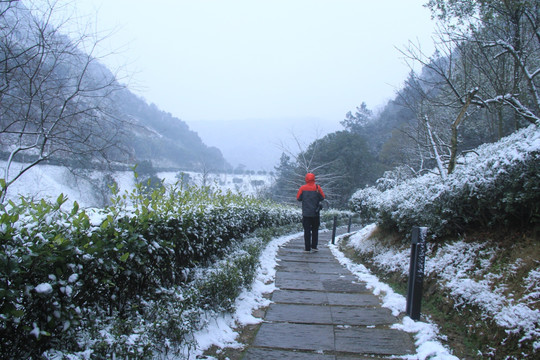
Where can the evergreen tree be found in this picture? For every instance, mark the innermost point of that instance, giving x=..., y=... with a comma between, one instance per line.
x=356, y=122
x=287, y=180
x=343, y=164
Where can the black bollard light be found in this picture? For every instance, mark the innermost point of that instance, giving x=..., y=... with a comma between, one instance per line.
x=334, y=229
x=416, y=272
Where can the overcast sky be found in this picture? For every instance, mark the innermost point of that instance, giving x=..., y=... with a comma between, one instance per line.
x=255, y=59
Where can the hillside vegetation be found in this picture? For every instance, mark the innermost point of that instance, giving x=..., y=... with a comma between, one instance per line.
x=482, y=268
x=480, y=85
x=155, y=135
x=496, y=185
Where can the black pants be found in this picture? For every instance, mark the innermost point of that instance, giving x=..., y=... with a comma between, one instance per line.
x=311, y=231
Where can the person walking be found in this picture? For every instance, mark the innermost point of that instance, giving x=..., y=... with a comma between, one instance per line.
x=311, y=195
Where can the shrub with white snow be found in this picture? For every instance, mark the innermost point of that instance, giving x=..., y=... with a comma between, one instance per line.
x=496, y=184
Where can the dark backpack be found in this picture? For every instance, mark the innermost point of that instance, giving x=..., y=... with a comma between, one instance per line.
x=320, y=204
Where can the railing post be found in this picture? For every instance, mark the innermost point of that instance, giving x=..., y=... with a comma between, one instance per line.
x=416, y=272
x=334, y=229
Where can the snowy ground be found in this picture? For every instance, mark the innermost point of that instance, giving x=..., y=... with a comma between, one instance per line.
x=49, y=181
x=222, y=331
x=245, y=184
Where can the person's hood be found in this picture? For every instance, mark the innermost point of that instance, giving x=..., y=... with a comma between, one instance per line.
x=310, y=178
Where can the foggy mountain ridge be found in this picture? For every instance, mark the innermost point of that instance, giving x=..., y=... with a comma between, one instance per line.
x=143, y=131
x=164, y=139
x=259, y=143
x=152, y=134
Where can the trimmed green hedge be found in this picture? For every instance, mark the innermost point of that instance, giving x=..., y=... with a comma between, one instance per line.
x=72, y=284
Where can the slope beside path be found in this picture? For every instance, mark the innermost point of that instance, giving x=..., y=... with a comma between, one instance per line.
x=321, y=311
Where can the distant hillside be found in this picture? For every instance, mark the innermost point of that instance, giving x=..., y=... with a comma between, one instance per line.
x=60, y=105
x=165, y=140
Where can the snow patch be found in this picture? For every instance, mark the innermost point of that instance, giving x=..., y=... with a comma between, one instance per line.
x=44, y=288
x=456, y=266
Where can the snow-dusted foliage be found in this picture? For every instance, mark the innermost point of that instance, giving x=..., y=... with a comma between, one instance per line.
x=128, y=281
x=499, y=183
x=465, y=271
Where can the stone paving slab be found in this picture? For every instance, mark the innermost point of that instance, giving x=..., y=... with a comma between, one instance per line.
x=301, y=297
x=272, y=354
x=296, y=284
x=322, y=314
x=289, y=336
x=302, y=257
x=299, y=314
x=292, y=266
x=347, y=277
x=373, y=341
x=300, y=254
x=352, y=299
x=328, y=268
x=324, y=298
x=297, y=275
x=340, y=285
x=348, y=315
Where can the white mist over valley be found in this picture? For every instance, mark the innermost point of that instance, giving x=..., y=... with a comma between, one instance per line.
x=258, y=143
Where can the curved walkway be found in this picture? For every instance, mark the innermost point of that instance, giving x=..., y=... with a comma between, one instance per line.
x=322, y=312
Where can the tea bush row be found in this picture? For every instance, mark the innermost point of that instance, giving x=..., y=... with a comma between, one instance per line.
x=122, y=280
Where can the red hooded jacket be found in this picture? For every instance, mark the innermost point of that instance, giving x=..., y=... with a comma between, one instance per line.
x=310, y=195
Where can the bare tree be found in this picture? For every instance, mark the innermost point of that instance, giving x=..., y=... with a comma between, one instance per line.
x=300, y=159
x=55, y=98
x=487, y=60
x=501, y=43
x=423, y=138
x=291, y=170
x=206, y=171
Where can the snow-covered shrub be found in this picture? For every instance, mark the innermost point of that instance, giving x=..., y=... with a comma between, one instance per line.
x=394, y=177
x=124, y=285
x=220, y=285
x=498, y=184
x=366, y=203
x=38, y=275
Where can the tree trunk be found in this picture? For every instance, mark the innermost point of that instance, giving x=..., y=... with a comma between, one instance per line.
x=433, y=145
x=455, y=125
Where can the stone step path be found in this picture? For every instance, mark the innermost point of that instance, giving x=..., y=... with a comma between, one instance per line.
x=322, y=312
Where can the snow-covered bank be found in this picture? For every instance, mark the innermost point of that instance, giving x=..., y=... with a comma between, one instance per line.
x=468, y=273
x=49, y=181
x=494, y=184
